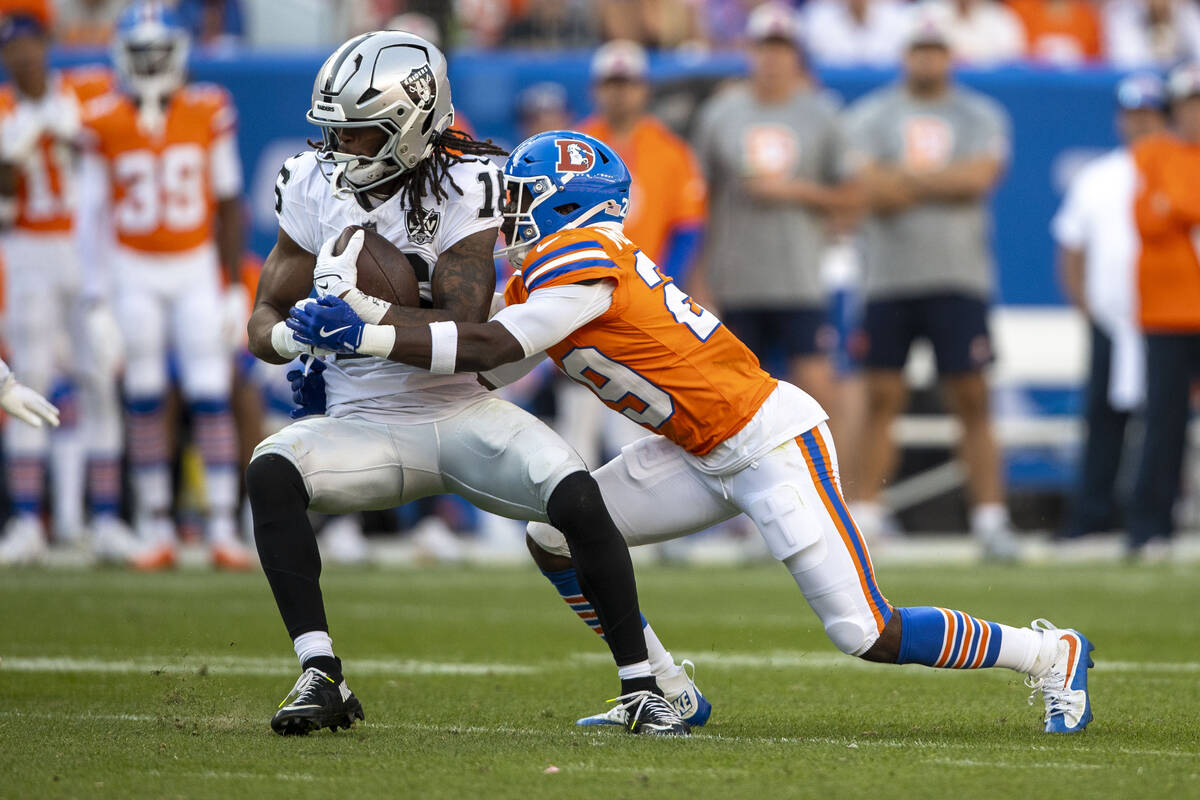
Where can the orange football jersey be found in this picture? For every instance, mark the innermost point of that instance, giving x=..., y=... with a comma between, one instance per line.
x=161, y=181
x=44, y=195
x=654, y=355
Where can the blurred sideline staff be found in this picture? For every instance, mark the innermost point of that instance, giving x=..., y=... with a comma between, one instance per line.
x=1168, y=217
x=1098, y=242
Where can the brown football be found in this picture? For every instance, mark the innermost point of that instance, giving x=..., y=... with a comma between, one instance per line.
x=383, y=271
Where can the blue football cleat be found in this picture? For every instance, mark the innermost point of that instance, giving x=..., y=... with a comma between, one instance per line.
x=679, y=689
x=1064, y=687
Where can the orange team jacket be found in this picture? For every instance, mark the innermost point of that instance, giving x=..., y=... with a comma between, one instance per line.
x=654, y=355
x=44, y=199
x=1060, y=27
x=1167, y=210
x=161, y=182
x=668, y=188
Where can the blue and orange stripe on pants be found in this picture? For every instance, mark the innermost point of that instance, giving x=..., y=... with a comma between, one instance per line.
x=820, y=467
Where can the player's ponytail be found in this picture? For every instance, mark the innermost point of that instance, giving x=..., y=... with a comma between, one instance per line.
x=449, y=148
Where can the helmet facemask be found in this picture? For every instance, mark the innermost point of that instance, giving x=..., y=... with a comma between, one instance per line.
x=358, y=173
x=152, y=64
x=521, y=231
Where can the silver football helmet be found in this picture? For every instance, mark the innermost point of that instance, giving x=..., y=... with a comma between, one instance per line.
x=390, y=80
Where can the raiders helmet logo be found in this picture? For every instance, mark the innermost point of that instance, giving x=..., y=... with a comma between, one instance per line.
x=421, y=87
x=574, y=155
x=422, y=226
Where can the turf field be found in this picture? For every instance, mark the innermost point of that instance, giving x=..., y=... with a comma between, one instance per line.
x=117, y=685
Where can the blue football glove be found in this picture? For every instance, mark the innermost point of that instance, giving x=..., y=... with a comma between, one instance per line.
x=329, y=323
x=308, y=387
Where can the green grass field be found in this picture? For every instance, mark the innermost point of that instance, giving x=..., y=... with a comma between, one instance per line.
x=117, y=685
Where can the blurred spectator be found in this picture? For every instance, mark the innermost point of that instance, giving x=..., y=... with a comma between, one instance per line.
x=543, y=107
x=772, y=153
x=664, y=24
x=980, y=32
x=725, y=20
x=214, y=24
x=666, y=206
x=482, y=21
x=87, y=23
x=1098, y=240
x=847, y=33
x=1142, y=33
x=1167, y=210
x=928, y=153
x=553, y=24
x=1060, y=32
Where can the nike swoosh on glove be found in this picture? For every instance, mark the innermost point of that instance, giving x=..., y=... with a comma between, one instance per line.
x=329, y=323
x=308, y=387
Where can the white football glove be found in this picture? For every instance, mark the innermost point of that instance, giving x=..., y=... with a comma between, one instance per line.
x=20, y=133
x=338, y=274
x=60, y=117
x=106, y=346
x=235, y=311
x=284, y=340
x=25, y=404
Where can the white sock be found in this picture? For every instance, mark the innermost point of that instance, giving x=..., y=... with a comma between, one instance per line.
x=661, y=662
x=311, y=644
x=989, y=518
x=152, y=489
x=639, y=670
x=1019, y=648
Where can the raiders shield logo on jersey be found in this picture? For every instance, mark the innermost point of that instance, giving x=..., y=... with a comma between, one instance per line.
x=422, y=225
x=421, y=87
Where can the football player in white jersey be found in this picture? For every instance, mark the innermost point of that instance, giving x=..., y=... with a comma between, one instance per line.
x=394, y=433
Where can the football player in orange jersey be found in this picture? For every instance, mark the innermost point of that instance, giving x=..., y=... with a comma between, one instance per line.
x=729, y=438
x=165, y=188
x=46, y=285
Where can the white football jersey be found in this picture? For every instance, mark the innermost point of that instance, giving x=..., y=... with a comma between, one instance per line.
x=310, y=213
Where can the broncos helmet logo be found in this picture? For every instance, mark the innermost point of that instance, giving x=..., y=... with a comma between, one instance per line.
x=574, y=155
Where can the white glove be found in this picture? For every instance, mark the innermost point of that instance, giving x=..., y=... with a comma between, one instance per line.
x=25, y=404
x=60, y=117
x=106, y=347
x=20, y=133
x=235, y=311
x=338, y=274
x=284, y=340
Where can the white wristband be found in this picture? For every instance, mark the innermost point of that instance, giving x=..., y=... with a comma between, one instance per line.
x=377, y=340
x=369, y=309
x=443, y=347
x=283, y=341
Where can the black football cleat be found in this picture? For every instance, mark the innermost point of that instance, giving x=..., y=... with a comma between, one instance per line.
x=648, y=713
x=316, y=702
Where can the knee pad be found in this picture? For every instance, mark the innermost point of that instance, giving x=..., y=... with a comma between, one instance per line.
x=549, y=538
x=207, y=377
x=848, y=623
x=146, y=373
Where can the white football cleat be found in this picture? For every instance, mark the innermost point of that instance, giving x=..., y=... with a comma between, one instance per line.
x=678, y=688
x=1064, y=685
x=342, y=541
x=113, y=541
x=24, y=541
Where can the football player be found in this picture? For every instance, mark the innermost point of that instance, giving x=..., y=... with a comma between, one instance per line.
x=389, y=160
x=729, y=438
x=165, y=182
x=48, y=290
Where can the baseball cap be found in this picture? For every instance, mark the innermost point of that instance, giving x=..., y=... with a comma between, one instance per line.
x=1184, y=82
x=927, y=29
x=775, y=21
x=540, y=98
x=1141, y=91
x=620, y=59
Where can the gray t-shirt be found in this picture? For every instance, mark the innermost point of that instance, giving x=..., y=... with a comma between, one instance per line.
x=761, y=255
x=932, y=246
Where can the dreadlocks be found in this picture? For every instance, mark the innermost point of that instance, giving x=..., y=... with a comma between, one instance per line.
x=449, y=148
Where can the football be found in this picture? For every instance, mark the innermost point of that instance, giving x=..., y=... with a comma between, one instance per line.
x=383, y=270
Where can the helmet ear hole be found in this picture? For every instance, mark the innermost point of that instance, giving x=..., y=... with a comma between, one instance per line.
x=567, y=208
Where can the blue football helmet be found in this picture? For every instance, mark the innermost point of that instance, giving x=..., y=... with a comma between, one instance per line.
x=558, y=180
x=150, y=51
